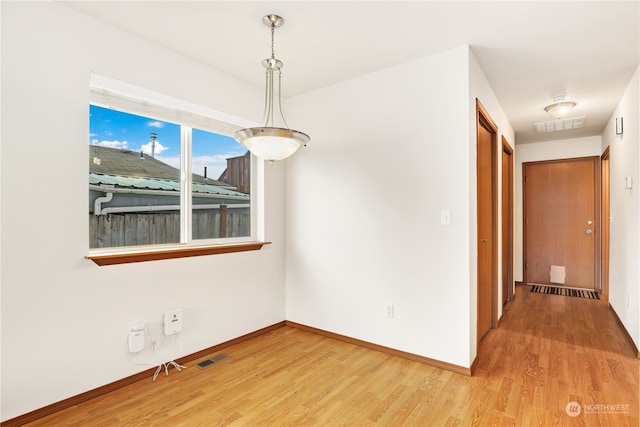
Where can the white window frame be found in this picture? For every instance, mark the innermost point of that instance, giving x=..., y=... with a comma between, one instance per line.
x=110, y=93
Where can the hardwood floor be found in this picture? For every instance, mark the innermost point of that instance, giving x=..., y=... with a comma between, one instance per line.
x=548, y=351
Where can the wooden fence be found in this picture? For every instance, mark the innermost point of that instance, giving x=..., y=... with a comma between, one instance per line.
x=152, y=228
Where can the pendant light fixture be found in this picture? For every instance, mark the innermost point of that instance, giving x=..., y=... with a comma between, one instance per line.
x=560, y=106
x=271, y=142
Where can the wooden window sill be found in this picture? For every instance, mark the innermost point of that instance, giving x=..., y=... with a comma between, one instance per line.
x=155, y=255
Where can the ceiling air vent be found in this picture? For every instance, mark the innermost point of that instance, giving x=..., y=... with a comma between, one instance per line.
x=562, y=124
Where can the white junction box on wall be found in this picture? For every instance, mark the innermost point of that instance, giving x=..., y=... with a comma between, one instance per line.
x=136, y=336
x=172, y=321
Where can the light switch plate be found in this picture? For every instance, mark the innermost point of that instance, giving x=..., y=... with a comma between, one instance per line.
x=445, y=217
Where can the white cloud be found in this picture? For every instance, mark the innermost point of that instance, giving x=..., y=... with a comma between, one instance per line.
x=155, y=124
x=146, y=148
x=171, y=161
x=121, y=145
x=215, y=164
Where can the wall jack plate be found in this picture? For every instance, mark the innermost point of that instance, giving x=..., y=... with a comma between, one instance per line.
x=388, y=311
x=172, y=321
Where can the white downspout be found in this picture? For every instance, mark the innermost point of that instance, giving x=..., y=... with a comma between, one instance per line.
x=97, y=204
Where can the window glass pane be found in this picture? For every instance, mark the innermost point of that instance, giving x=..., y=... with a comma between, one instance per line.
x=221, y=196
x=134, y=180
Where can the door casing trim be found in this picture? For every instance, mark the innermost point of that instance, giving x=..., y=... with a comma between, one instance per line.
x=483, y=118
x=506, y=147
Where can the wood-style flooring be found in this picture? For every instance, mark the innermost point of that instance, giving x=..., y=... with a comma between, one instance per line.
x=549, y=351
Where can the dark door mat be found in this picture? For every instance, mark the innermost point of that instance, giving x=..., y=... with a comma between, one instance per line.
x=552, y=290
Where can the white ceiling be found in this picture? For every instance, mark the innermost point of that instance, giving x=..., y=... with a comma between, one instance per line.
x=529, y=51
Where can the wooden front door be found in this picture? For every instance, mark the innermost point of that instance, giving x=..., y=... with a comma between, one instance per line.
x=561, y=219
x=487, y=222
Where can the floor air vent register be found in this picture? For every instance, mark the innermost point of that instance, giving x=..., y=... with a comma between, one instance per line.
x=212, y=361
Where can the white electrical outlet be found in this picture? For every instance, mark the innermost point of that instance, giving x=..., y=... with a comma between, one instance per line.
x=172, y=321
x=388, y=311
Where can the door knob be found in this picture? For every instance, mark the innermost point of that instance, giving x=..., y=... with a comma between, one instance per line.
x=589, y=222
x=589, y=231
x=484, y=240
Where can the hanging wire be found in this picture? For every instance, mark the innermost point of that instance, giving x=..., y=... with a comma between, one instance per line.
x=273, y=32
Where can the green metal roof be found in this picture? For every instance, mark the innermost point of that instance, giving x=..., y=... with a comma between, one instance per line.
x=158, y=184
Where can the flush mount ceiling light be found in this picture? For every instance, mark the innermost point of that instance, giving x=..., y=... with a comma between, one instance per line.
x=271, y=142
x=560, y=106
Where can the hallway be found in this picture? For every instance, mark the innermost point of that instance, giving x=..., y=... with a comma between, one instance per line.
x=550, y=350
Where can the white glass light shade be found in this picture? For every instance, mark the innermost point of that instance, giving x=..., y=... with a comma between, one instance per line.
x=270, y=143
x=560, y=109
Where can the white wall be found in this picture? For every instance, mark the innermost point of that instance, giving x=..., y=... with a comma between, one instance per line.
x=624, y=270
x=389, y=151
x=548, y=150
x=64, y=319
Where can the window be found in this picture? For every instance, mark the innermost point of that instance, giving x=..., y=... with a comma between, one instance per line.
x=163, y=173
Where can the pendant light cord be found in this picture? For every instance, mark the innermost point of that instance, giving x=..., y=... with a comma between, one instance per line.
x=273, y=32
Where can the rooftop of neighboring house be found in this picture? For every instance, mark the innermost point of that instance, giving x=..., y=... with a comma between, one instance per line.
x=127, y=163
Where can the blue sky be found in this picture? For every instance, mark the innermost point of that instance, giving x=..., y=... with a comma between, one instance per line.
x=115, y=129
